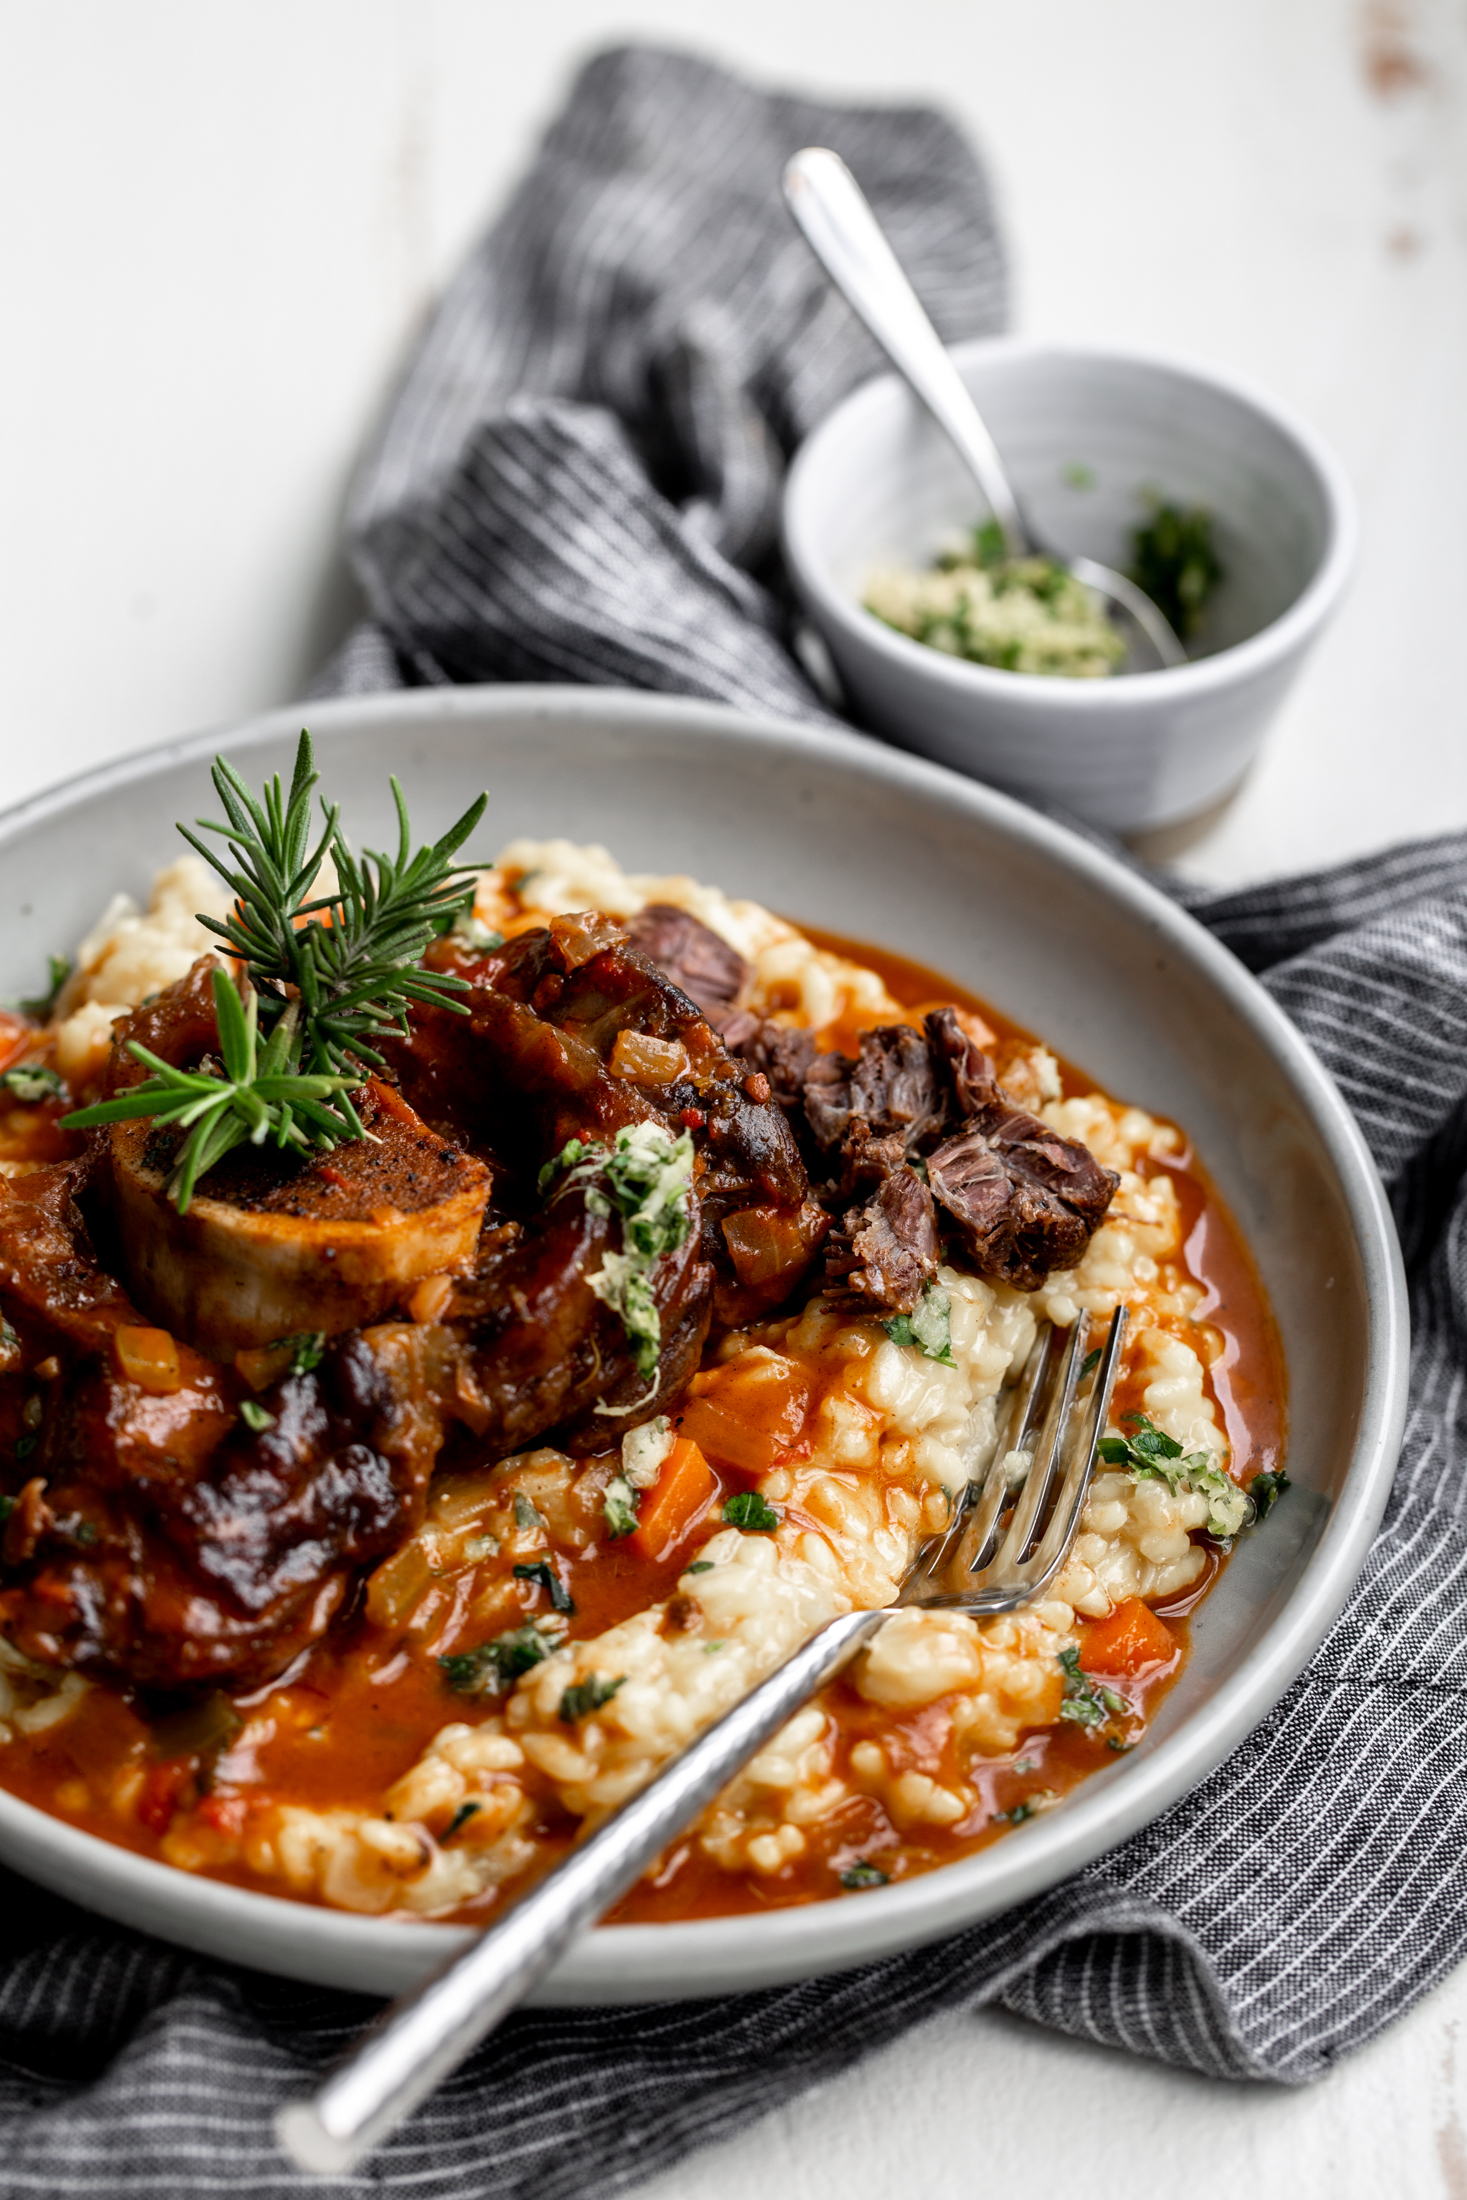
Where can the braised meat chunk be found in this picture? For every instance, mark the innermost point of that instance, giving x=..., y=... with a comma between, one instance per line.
x=1019, y=1200
x=883, y=1253
x=702, y=965
x=1024, y=1200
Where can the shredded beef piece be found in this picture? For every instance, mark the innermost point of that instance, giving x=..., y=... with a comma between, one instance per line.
x=827, y=1098
x=965, y=1062
x=894, y=1090
x=1025, y=1200
x=884, y=1254
x=784, y=1053
x=896, y=1087
x=707, y=969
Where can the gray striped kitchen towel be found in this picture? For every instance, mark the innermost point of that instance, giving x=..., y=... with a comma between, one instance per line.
x=577, y=481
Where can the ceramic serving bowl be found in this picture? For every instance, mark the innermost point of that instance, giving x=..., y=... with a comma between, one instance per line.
x=1085, y=435
x=863, y=840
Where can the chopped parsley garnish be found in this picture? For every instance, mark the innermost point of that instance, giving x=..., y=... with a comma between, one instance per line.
x=1087, y=1701
x=1090, y=1363
x=645, y=1178
x=25, y=1445
x=699, y=1566
x=1031, y=1806
x=586, y=1696
x=9, y=1338
x=461, y=1817
x=473, y=933
x=254, y=1416
x=1265, y=1491
x=862, y=1874
x=29, y=1083
x=489, y=1667
x=749, y=1510
x=1174, y=558
x=620, y=1506
x=929, y=1329
x=58, y=970
x=1149, y=1454
x=525, y=1514
x=307, y=1349
x=989, y=544
x=544, y=1573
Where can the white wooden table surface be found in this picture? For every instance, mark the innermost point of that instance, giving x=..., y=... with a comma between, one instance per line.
x=218, y=227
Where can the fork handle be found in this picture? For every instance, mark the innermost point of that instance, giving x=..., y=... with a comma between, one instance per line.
x=416, y=2042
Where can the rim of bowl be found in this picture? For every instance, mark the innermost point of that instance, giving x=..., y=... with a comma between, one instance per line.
x=640, y=1963
x=1240, y=660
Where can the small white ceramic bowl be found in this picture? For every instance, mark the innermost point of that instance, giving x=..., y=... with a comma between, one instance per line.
x=1085, y=434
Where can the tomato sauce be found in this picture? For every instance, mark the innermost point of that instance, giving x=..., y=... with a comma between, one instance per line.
x=183, y=1782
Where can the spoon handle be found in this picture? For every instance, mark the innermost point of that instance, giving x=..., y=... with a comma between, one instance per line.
x=429, y=2031
x=831, y=209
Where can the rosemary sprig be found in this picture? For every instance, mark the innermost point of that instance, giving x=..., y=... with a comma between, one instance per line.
x=351, y=957
x=258, y=1097
x=324, y=977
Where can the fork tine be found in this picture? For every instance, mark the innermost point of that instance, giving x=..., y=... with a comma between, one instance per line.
x=1018, y=1434
x=1039, y=1480
x=1065, y=1517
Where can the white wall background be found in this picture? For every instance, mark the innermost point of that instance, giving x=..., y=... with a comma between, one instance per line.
x=219, y=225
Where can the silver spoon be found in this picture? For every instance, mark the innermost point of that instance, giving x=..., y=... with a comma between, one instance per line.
x=847, y=239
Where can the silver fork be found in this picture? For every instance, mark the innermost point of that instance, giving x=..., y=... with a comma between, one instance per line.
x=1036, y=1473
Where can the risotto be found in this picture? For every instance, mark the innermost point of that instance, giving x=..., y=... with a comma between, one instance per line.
x=560, y=1484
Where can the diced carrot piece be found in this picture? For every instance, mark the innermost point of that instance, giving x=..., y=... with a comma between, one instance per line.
x=1128, y=1640
x=748, y=1416
x=684, y=1489
x=149, y=1358
x=15, y=1037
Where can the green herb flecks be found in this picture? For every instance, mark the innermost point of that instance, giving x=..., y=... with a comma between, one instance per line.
x=1265, y=1491
x=307, y=1349
x=43, y=1006
x=750, y=1510
x=1031, y=1806
x=12, y=1352
x=490, y=1667
x=699, y=1566
x=1088, y=1702
x=646, y=1178
x=1174, y=558
x=1090, y=1363
x=1150, y=1454
x=460, y=1819
x=25, y=1445
x=540, y=1570
x=861, y=1874
x=525, y=1515
x=620, y=1506
x=30, y=1084
x=7, y=1507
x=327, y=976
x=584, y=1697
x=929, y=1329
x=255, y=1416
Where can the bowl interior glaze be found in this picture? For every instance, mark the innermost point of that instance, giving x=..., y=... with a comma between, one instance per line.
x=863, y=840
